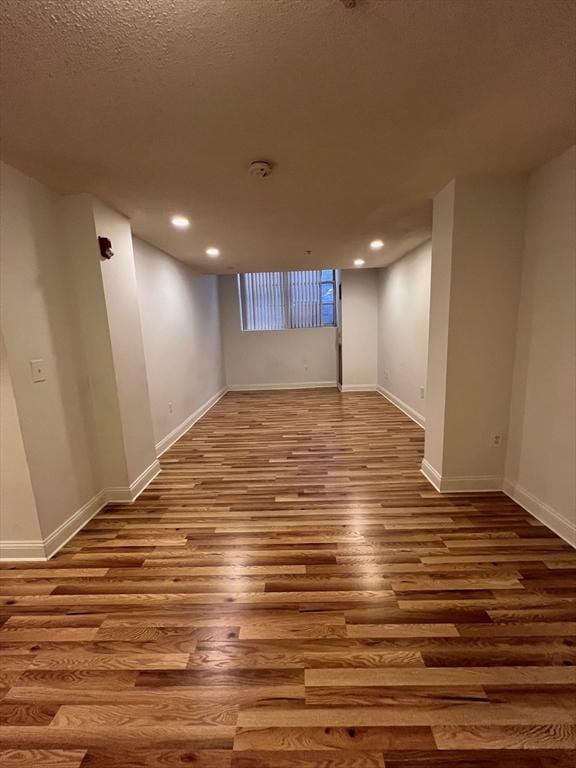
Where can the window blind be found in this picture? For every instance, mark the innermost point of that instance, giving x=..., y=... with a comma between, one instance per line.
x=281, y=300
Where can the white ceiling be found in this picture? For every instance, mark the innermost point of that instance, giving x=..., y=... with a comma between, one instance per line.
x=158, y=107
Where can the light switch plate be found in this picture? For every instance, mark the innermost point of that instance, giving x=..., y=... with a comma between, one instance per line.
x=38, y=370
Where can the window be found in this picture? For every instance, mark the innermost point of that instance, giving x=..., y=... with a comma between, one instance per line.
x=272, y=301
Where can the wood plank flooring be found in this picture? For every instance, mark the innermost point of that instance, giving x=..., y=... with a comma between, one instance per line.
x=291, y=592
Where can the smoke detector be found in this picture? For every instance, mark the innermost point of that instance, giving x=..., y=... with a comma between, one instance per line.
x=260, y=168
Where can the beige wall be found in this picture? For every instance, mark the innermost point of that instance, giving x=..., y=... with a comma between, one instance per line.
x=82, y=257
x=403, y=315
x=38, y=322
x=273, y=358
x=181, y=332
x=359, y=328
x=476, y=262
x=437, y=361
x=18, y=514
x=86, y=429
x=485, y=285
x=541, y=459
x=121, y=295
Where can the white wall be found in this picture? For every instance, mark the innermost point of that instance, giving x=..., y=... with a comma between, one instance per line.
x=359, y=328
x=38, y=322
x=273, y=358
x=403, y=316
x=181, y=332
x=541, y=458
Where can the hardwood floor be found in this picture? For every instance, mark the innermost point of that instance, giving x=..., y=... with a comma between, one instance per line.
x=291, y=592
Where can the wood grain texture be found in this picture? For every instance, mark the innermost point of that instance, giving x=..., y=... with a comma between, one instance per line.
x=290, y=592
x=47, y=758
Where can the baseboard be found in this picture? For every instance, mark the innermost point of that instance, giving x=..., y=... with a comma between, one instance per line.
x=404, y=407
x=543, y=512
x=431, y=474
x=29, y=550
x=461, y=483
x=291, y=385
x=357, y=387
x=70, y=527
x=144, y=479
x=471, y=484
x=44, y=549
x=181, y=429
x=128, y=494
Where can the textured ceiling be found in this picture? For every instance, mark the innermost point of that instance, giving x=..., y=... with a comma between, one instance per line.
x=158, y=107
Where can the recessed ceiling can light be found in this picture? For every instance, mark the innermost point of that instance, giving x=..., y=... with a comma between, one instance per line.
x=359, y=262
x=180, y=222
x=375, y=245
x=213, y=252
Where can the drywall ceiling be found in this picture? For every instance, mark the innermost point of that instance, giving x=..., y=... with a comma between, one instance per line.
x=158, y=107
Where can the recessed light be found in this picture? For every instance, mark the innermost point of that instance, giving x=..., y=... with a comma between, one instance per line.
x=359, y=262
x=375, y=245
x=213, y=252
x=180, y=222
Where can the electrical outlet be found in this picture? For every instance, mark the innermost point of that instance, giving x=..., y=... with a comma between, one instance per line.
x=386, y=375
x=421, y=393
x=170, y=408
x=496, y=440
x=38, y=370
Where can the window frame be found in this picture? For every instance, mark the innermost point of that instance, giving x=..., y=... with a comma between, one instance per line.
x=331, y=282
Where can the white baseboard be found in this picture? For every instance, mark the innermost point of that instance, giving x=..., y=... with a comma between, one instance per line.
x=462, y=483
x=182, y=428
x=404, y=407
x=430, y=474
x=547, y=515
x=126, y=494
x=29, y=550
x=471, y=484
x=143, y=480
x=75, y=522
x=44, y=549
x=357, y=387
x=291, y=385
x=543, y=512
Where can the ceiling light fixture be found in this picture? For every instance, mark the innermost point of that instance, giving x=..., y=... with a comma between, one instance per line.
x=213, y=252
x=375, y=245
x=359, y=262
x=180, y=222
